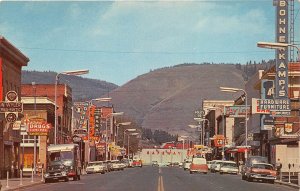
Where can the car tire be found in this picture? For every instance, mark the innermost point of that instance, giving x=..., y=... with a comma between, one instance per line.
x=250, y=179
x=221, y=172
x=66, y=179
x=243, y=177
x=205, y=172
x=191, y=172
x=47, y=180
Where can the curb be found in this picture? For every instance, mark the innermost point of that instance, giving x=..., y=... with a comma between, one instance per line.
x=19, y=187
x=287, y=184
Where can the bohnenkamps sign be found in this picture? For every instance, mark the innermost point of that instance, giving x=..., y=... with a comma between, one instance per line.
x=281, y=78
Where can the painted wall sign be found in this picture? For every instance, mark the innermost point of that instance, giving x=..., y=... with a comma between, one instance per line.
x=237, y=111
x=281, y=77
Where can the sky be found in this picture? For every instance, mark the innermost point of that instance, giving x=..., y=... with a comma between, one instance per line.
x=120, y=40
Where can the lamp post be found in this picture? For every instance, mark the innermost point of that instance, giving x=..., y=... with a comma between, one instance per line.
x=128, y=136
x=279, y=46
x=90, y=103
x=35, y=138
x=109, y=116
x=71, y=73
x=194, y=127
x=234, y=90
x=117, y=129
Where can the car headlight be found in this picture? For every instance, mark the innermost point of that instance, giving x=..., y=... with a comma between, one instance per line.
x=46, y=175
x=64, y=173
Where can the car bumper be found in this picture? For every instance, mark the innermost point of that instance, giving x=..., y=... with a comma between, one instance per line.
x=262, y=177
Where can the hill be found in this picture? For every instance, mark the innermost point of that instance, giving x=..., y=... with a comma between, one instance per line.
x=82, y=88
x=166, y=98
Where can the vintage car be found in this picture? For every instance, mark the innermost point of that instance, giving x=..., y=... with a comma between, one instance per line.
x=261, y=171
x=198, y=165
x=249, y=162
x=229, y=167
x=96, y=167
x=137, y=163
x=186, y=164
x=56, y=171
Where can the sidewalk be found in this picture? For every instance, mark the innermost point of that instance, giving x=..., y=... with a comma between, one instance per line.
x=287, y=184
x=14, y=183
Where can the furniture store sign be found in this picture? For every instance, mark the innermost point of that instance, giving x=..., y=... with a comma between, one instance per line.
x=281, y=78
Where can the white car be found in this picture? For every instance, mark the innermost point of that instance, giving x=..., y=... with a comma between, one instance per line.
x=215, y=165
x=229, y=167
x=96, y=167
x=117, y=165
x=187, y=163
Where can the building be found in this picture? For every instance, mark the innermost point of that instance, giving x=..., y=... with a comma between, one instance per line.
x=41, y=108
x=280, y=138
x=11, y=62
x=64, y=104
x=218, y=125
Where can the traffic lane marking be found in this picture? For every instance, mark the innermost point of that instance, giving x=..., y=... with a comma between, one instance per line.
x=160, y=185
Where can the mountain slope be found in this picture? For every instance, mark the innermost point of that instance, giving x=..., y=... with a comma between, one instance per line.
x=167, y=98
x=82, y=88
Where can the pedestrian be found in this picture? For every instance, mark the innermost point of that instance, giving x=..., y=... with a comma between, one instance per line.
x=39, y=165
x=278, y=166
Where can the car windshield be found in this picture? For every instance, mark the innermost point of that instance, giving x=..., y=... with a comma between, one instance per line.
x=263, y=166
x=229, y=165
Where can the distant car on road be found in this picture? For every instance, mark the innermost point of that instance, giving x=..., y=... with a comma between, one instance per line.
x=198, y=165
x=186, y=164
x=154, y=163
x=137, y=163
x=229, y=167
x=117, y=165
x=261, y=171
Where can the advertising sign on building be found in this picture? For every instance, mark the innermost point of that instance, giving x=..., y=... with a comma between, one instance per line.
x=281, y=76
x=219, y=140
x=237, y=111
x=38, y=127
x=276, y=107
x=267, y=89
x=11, y=107
x=267, y=122
x=81, y=109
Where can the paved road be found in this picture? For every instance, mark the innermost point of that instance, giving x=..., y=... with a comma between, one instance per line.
x=159, y=179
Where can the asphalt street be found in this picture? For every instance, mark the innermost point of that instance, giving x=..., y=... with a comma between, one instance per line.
x=159, y=179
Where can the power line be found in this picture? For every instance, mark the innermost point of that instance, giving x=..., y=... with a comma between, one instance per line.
x=145, y=52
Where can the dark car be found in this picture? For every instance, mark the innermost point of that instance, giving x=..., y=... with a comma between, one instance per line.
x=56, y=171
x=154, y=163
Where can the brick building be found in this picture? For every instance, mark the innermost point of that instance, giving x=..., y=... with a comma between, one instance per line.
x=41, y=108
x=11, y=62
x=64, y=104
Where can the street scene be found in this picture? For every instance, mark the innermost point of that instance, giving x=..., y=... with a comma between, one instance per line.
x=150, y=95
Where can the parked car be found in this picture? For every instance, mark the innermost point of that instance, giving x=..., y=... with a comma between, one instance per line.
x=229, y=167
x=117, y=165
x=137, y=163
x=154, y=163
x=215, y=165
x=108, y=165
x=261, y=171
x=187, y=164
x=198, y=165
x=250, y=161
x=96, y=167
x=127, y=162
x=209, y=164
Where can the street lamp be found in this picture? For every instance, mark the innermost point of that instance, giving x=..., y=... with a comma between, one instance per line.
x=127, y=130
x=90, y=103
x=72, y=73
x=234, y=90
x=117, y=129
x=128, y=136
x=278, y=46
x=109, y=116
